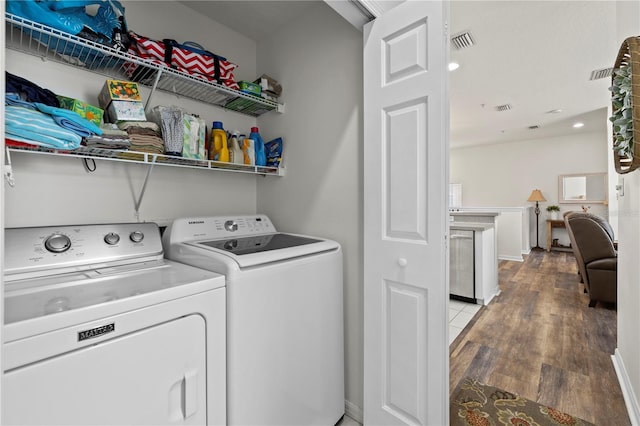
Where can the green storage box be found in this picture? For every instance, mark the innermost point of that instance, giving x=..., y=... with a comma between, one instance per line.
x=90, y=112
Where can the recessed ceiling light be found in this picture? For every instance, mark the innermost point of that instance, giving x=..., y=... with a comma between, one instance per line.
x=578, y=125
x=554, y=111
x=453, y=66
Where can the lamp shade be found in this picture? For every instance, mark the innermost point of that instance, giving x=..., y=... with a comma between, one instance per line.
x=536, y=195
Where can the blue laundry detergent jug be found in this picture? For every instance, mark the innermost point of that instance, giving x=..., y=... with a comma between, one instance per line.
x=258, y=143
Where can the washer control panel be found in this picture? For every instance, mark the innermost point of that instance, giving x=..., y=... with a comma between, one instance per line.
x=241, y=226
x=201, y=228
x=41, y=248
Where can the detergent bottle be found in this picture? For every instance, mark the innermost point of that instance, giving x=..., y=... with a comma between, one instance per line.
x=248, y=151
x=235, y=150
x=258, y=144
x=219, y=150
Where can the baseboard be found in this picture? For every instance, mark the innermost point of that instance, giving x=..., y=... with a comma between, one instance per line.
x=629, y=395
x=514, y=258
x=353, y=411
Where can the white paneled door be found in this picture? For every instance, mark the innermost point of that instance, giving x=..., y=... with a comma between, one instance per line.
x=406, y=359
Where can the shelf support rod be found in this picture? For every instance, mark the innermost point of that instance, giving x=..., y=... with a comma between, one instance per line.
x=147, y=107
x=144, y=188
x=8, y=171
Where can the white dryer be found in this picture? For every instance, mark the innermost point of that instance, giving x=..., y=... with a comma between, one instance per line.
x=285, y=350
x=100, y=329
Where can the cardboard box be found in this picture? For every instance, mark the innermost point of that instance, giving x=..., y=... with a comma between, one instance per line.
x=90, y=112
x=119, y=111
x=118, y=90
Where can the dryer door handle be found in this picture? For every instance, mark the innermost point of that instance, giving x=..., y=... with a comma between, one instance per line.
x=190, y=389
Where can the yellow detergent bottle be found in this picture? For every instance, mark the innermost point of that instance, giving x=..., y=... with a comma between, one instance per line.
x=219, y=149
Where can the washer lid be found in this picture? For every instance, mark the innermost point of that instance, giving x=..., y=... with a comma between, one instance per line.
x=259, y=243
x=109, y=290
x=259, y=249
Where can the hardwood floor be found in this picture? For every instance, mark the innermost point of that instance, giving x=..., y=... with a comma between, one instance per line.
x=539, y=339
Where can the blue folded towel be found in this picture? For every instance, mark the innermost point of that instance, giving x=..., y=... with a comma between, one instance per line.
x=27, y=125
x=65, y=118
x=70, y=120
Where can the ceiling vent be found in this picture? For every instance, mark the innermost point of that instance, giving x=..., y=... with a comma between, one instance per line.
x=603, y=73
x=462, y=40
x=505, y=107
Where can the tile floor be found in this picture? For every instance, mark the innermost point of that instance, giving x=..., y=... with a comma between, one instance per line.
x=460, y=313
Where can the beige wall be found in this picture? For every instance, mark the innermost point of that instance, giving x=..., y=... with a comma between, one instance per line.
x=503, y=175
x=318, y=60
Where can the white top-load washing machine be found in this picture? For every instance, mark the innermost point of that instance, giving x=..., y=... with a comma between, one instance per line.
x=100, y=329
x=285, y=356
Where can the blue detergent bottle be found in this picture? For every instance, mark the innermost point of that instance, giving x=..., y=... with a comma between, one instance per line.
x=258, y=143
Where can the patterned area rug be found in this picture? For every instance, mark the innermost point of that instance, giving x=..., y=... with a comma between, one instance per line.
x=477, y=404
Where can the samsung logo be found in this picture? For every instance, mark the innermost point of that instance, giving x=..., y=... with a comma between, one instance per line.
x=195, y=222
x=96, y=332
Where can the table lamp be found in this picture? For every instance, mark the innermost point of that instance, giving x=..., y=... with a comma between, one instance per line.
x=536, y=196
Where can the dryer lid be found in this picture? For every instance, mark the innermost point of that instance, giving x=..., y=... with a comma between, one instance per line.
x=110, y=288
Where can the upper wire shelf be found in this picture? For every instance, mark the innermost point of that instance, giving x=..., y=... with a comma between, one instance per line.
x=49, y=43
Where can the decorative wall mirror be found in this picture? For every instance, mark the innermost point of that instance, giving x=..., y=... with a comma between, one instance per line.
x=583, y=188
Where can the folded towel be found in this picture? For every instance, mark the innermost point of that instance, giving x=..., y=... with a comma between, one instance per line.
x=126, y=125
x=70, y=120
x=26, y=125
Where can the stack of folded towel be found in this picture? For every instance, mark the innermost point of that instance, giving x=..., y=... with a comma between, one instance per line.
x=45, y=125
x=32, y=116
x=145, y=136
x=111, y=138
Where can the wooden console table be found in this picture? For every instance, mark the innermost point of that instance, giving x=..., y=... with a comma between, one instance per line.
x=555, y=224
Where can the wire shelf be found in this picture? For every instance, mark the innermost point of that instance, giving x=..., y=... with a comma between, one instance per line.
x=147, y=158
x=48, y=43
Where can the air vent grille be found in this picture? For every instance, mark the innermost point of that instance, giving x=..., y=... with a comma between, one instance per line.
x=505, y=107
x=462, y=40
x=603, y=73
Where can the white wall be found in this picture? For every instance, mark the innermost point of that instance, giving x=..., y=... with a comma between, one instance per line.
x=52, y=191
x=318, y=60
x=505, y=174
x=627, y=358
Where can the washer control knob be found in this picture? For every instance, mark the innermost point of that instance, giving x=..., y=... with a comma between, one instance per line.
x=136, y=236
x=112, y=238
x=230, y=226
x=57, y=243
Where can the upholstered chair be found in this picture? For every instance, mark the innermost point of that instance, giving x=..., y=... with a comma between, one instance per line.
x=592, y=241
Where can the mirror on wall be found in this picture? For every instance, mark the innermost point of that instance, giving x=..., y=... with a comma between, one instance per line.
x=582, y=188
